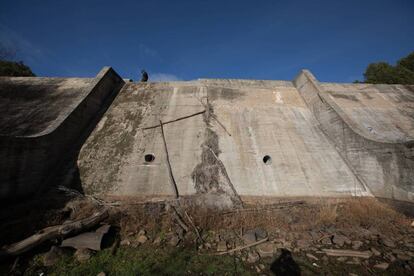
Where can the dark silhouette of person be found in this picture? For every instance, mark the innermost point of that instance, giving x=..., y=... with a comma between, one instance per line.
x=285, y=265
x=144, y=76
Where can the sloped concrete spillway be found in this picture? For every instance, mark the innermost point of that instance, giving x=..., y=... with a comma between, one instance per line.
x=372, y=127
x=41, y=121
x=254, y=138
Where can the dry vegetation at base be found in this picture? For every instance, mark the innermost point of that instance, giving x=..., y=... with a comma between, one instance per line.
x=290, y=221
x=352, y=213
x=130, y=217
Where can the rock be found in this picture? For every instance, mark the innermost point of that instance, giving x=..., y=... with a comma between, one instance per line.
x=254, y=235
x=390, y=257
x=142, y=239
x=356, y=244
x=249, y=237
x=157, y=241
x=403, y=257
x=125, y=242
x=174, y=241
x=260, y=233
x=252, y=257
x=326, y=241
x=142, y=232
x=262, y=266
x=83, y=254
x=312, y=257
x=222, y=246
x=266, y=249
x=397, y=251
x=52, y=256
x=388, y=243
x=340, y=240
x=375, y=252
x=409, y=245
x=101, y=274
x=315, y=236
x=356, y=260
x=382, y=266
x=341, y=259
x=302, y=244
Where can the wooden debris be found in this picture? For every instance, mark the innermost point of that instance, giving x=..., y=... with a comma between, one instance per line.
x=53, y=232
x=281, y=205
x=177, y=217
x=167, y=157
x=208, y=114
x=242, y=247
x=347, y=253
x=193, y=225
x=175, y=120
x=14, y=266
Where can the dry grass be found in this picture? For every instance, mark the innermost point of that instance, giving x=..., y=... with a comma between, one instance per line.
x=308, y=216
x=327, y=214
x=349, y=213
x=369, y=212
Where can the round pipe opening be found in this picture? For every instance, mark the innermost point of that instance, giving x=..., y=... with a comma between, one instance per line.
x=149, y=157
x=267, y=160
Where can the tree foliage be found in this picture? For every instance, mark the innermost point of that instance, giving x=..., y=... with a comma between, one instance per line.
x=382, y=72
x=15, y=69
x=407, y=62
x=8, y=66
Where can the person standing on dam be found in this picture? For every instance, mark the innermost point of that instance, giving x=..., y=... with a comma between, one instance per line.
x=144, y=76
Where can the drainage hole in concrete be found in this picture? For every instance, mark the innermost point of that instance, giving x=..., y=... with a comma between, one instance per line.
x=267, y=160
x=149, y=157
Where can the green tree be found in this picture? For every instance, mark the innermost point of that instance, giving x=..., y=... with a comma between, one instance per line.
x=9, y=67
x=15, y=69
x=382, y=72
x=407, y=62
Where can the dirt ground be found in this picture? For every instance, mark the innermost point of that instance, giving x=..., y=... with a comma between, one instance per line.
x=295, y=236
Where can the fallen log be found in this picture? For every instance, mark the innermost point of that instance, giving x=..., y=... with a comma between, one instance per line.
x=53, y=232
x=347, y=253
x=281, y=205
x=242, y=247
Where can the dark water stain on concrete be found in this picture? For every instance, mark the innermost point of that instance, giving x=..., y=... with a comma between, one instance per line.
x=225, y=94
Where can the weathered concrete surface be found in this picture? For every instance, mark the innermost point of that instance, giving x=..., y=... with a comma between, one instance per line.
x=112, y=159
x=249, y=119
x=226, y=139
x=372, y=126
x=40, y=120
x=275, y=121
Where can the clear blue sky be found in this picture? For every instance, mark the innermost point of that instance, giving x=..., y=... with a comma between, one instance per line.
x=192, y=39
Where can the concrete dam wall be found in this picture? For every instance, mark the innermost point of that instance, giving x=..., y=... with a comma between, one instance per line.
x=372, y=127
x=227, y=140
x=40, y=120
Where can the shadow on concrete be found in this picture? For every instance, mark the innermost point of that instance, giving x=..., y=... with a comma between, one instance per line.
x=23, y=217
x=285, y=265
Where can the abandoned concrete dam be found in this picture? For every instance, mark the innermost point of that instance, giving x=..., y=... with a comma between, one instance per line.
x=221, y=139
